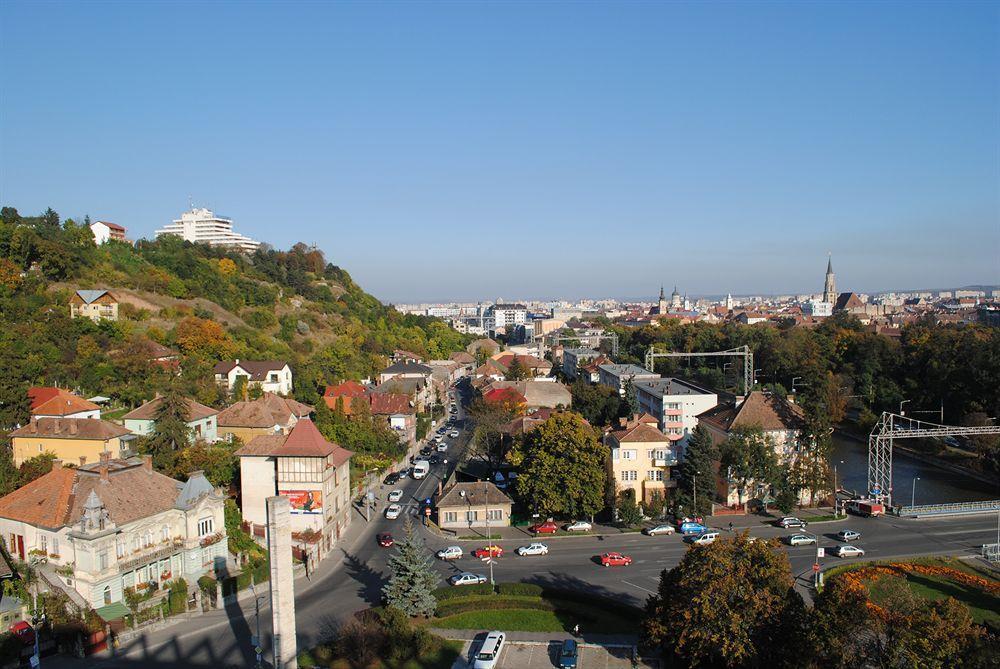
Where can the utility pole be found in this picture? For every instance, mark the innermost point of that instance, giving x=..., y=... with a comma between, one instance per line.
x=913, y=492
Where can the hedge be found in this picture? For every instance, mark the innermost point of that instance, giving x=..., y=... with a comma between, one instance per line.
x=492, y=604
x=461, y=599
x=455, y=592
x=521, y=589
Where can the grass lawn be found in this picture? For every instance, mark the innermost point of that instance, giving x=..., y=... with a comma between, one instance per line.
x=565, y=616
x=442, y=659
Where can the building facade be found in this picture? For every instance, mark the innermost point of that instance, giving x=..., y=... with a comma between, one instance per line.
x=104, y=232
x=96, y=305
x=266, y=415
x=70, y=439
x=205, y=227
x=506, y=315
x=675, y=404
x=476, y=504
x=202, y=421
x=573, y=358
x=619, y=376
x=640, y=458
x=271, y=376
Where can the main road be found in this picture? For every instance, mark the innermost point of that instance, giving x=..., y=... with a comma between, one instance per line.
x=351, y=579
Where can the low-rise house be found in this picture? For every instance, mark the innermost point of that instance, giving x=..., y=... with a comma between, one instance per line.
x=345, y=394
x=201, y=420
x=405, y=370
x=105, y=231
x=537, y=394
x=466, y=505
x=268, y=414
x=48, y=402
x=94, y=304
x=398, y=413
x=272, y=376
x=640, y=458
x=311, y=472
x=70, y=439
x=490, y=369
x=574, y=358
x=467, y=361
x=402, y=355
x=116, y=524
x=485, y=347
x=676, y=405
x=619, y=376
x=420, y=391
x=590, y=371
x=534, y=366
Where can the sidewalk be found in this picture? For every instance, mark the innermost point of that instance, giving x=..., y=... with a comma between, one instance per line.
x=746, y=521
x=606, y=640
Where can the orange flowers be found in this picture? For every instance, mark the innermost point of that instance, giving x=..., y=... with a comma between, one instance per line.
x=856, y=577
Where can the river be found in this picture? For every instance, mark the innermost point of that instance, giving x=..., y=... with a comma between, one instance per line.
x=935, y=486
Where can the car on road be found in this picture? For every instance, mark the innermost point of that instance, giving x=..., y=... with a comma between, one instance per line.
x=800, y=540
x=615, y=559
x=848, y=535
x=396, y=495
x=391, y=478
x=579, y=526
x=392, y=511
x=533, y=549
x=467, y=578
x=847, y=551
x=403, y=473
x=489, y=653
x=568, y=654
x=442, y=447
x=426, y=450
x=705, y=538
x=434, y=460
x=488, y=551
x=791, y=521
x=450, y=553
x=23, y=632
x=384, y=539
x=691, y=527
x=546, y=527
x=453, y=434
x=663, y=528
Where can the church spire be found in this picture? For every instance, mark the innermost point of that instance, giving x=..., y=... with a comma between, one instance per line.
x=661, y=292
x=829, y=263
x=830, y=284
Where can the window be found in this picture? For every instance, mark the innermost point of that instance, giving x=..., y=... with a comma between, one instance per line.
x=628, y=454
x=274, y=377
x=472, y=516
x=120, y=548
x=495, y=514
x=205, y=527
x=657, y=454
x=451, y=517
x=165, y=533
x=107, y=595
x=629, y=475
x=654, y=475
x=43, y=543
x=102, y=560
x=55, y=545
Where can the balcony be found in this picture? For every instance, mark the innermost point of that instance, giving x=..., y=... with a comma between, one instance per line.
x=669, y=461
x=673, y=412
x=672, y=423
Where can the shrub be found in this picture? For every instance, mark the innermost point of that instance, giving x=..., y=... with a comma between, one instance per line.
x=177, y=599
x=464, y=591
x=520, y=589
x=492, y=604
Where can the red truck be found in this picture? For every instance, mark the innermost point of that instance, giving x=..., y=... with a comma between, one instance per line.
x=865, y=507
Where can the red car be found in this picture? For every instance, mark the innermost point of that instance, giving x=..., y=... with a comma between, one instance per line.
x=615, y=560
x=487, y=551
x=548, y=527
x=385, y=540
x=24, y=632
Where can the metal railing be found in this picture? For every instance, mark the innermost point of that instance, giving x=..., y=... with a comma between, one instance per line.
x=991, y=552
x=956, y=508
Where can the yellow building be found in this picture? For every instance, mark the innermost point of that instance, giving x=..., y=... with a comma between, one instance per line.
x=268, y=415
x=640, y=459
x=94, y=304
x=75, y=440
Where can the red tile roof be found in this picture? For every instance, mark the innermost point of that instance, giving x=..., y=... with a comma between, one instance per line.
x=147, y=411
x=383, y=404
x=345, y=389
x=71, y=428
x=41, y=394
x=58, y=402
x=504, y=395
x=767, y=411
x=303, y=441
x=267, y=411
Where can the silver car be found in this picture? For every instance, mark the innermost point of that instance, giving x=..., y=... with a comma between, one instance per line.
x=665, y=528
x=848, y=535
x=800, y=540
x=533, y=549
x=467, y=578
x=848, y=551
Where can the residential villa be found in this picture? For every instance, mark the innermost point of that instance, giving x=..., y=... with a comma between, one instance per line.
x=405, y=370
x=266, y=415
x=115, y=524
x=463, y=506
x=315, y=476
x=94, y=304
x=640, y=458
x=201, y=420
x=271, y=376
x=105, y=231
x=70, y=439
x=48, y=402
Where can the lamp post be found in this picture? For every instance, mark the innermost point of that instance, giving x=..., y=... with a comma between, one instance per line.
x=489, y=535
x=901, y=413
x=836, y=498
x=913, y=492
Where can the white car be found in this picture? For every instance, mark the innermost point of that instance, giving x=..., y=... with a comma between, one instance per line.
x=442, y=447
x=533, y=549
x=848, y=535
x=450, y=553
x=392, y=511
x=489, y=652
x=800, y=540
x=395, y=495
x=665, y=528
x=847, y=551
x=453, y=434
x=703, y=539
x=467, y=578
x=579, y=526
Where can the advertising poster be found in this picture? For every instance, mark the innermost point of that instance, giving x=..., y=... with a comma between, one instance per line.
x=304, y=501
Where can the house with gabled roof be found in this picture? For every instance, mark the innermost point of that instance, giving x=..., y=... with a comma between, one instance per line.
x=49, y=402
x=268, y=414
x=271, y=376
x=70, y=439
x=201, y=419
x=94, y=304
x=313, y=473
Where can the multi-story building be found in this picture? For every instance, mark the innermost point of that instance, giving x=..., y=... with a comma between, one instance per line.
x=266, y=415
x=503, y=316
x=70, y=439
x=104, y=232
x=572, y=358
x=201, y=420
x=115, y=524
x=311, y=472
x=619, y=376
x=273, y=376
x=817, y=309
x=675, y=404
x=205, y=227
x=94, y=304
x=640, y=458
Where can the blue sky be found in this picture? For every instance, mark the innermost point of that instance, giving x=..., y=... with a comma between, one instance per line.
x=474, y=150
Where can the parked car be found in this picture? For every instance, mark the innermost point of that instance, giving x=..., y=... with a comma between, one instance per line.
x=392, y=511
x=568, y=654
x=705, y=538
x=450, y=553
x=453, y=434
x=467, y=578
x=847, y=551
x=533, y=549
x=615, y=559
x=434, y=460
x=489, y=653
x=384, y=539
x=800, y=540
x=848, y=535
x=442, y=447
x=488, y=551
x=426, y=450
x=23, y=632
x=664, y=528
x=391, y=478
x=791, y=521
x=396, y=495
x=546, y=527
x=691, y=527
x=579, y=526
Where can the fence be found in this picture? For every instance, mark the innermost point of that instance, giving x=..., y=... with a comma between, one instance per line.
x=953, y=509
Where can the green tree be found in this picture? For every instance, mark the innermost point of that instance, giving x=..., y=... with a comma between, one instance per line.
x=411, y=586
x=697, y=472
x=561, y=467
x=516, y=371
x=628, y=512
x=35, y=467
x=630, y=398
x=748, y=455
x=488, y=440
x=728, y=604
x=170, y=429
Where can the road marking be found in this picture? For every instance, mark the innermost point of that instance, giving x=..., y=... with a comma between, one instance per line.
x=639, y=586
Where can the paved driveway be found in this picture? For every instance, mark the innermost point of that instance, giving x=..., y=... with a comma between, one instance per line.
x=539, y=655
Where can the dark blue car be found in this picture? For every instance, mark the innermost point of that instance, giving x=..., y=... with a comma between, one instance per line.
x=567, y=654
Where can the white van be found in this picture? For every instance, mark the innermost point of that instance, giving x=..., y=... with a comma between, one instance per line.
x=421, y=468
x=489, y=653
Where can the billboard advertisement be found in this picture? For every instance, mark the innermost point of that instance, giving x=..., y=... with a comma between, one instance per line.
x=304, y=501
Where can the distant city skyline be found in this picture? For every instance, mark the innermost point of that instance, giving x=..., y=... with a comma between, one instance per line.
x=449, y=151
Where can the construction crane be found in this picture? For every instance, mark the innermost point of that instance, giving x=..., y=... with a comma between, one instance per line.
x=740, y=351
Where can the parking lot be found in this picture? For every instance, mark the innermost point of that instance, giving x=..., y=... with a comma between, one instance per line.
x=540, y=655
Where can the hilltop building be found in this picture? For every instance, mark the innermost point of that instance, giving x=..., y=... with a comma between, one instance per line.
x=205, y=227
x=94, y=304
x=105, y=231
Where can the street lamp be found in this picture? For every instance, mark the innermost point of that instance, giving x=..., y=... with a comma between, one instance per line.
x=901, y=413
x=913, y=492
x=836, y=498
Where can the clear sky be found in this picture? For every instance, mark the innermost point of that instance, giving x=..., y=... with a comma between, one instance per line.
x=470, y=150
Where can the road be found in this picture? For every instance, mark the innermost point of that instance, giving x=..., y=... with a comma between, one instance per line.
x=353, y=581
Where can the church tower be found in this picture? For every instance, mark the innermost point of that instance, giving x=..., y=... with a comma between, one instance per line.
x=662, y=306
x=830, y=285
x=675, y=300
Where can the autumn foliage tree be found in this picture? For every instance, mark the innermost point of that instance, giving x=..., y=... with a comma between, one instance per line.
x=203, y=338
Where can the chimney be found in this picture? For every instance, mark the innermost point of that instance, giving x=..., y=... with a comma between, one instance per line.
x=33, y=422
x=56, y=464
x=83, y=460
x=103, y=471
x=56, y=425
x=147, y=463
